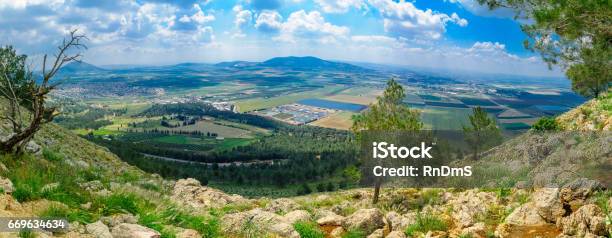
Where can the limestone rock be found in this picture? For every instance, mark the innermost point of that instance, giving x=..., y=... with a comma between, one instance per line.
x=6, y=185
x=548, y=204
x=575, y=193
x=587, y=220
x=117, y=219
x=396, y=234
x=296, y=216
x=189, y=192
x=259, y=220
x=527, y=214
x=399, y=222
x=468, y=205
x=477, y=230
x=330, y=219
x=282, y=205
x=188, y=233
x=436, y=234
x=33, y=148
x=98, y=229
x=366, y=220
x=337, y=232
x=377, y=234
x=126, y=230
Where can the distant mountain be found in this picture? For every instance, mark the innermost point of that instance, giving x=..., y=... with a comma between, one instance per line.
x=235, y=64
x=309, y=63
x=80, y=67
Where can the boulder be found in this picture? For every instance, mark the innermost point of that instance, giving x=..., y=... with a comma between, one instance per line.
x=6, y=185
x=588, y=220
x=396, y=234
x=477, y=230
x=548, y=204
x=398, y=222
x=282, y=205
x=117, y=219
x=575, y=193
x=469, y=205
x=337, y=232
x=296, y=216
x=126, y=230
x=33, y=148
x=92, y=186
x=436, y=234
x=330, y=219
x=366, y=220
x=98, y=229
x=189, y=192
x=188, y=233
x=527, y=215
x=380, y=233
x=259, y=220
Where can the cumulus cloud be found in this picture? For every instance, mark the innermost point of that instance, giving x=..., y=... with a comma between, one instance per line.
x=340, y=6
x=310, y=26
x=406, y=20
x=475, y=8
x=269, y=21
x=242, y=19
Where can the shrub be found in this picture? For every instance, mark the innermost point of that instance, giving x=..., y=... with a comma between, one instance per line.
x=425, y=223
x=51, y=156
x=546, y=124
x=120, y=203
x=26, y=233
x=308, y=230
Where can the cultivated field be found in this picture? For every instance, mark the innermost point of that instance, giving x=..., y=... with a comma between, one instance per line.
x=341, y=120
x=262, y=103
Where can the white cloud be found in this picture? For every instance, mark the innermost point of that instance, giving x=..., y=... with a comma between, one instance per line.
x=340, y=6
x=269, y=21
x=310, y=26
x=475, y=8
x=242, y=19
x=406, y=20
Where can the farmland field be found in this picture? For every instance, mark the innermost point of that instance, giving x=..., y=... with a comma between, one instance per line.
x=445, y=118
x=341, y=120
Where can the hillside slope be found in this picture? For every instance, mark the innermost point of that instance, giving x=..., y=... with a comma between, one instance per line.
x=595, y=114
x=101, y=196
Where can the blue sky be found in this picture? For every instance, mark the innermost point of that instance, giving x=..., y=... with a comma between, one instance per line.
x=449, y=34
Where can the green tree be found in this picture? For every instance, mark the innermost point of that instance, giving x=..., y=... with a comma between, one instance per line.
x=25, y=98
x=482, y=132
x=546, y=124
x=389, y=113
x=575, y=34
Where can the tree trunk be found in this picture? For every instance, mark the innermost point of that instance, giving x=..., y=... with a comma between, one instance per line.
x=377, y=185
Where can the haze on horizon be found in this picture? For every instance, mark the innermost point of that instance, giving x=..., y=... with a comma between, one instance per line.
x=446, y=34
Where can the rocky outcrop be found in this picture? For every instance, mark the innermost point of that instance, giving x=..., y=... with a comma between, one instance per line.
x=379, y=233
x=396, y=234
x=366, y=220
x=117, y=219
x=99, y=230
x=574, y=194
x=189, y=192
x=588, y=220
x=6, y=185
x=126, y=230
x=399, y=222
x=296, y=216
x=547, y=204
x=468, y=205
x=525, y=215
x=282, y=206
x=188, y=233
x=330, y=219
x=257, y=220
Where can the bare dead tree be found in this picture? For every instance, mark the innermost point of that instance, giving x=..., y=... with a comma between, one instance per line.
x=26, y=97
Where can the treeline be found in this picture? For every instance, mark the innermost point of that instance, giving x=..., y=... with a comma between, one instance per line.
x=204, y=109
x=88, y=120
x=175, y=132
x=297, y=170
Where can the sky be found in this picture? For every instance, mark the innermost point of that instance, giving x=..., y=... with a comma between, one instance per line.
x=444, y=34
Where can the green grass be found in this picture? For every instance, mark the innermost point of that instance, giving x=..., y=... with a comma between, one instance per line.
x=425, y=223
x=445, y=118
x=308, y=230
x=354, y=234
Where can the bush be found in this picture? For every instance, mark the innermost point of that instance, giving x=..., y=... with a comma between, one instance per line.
x=119, y=203
x=308, y=230
x=425, y=223
x=546, y=124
